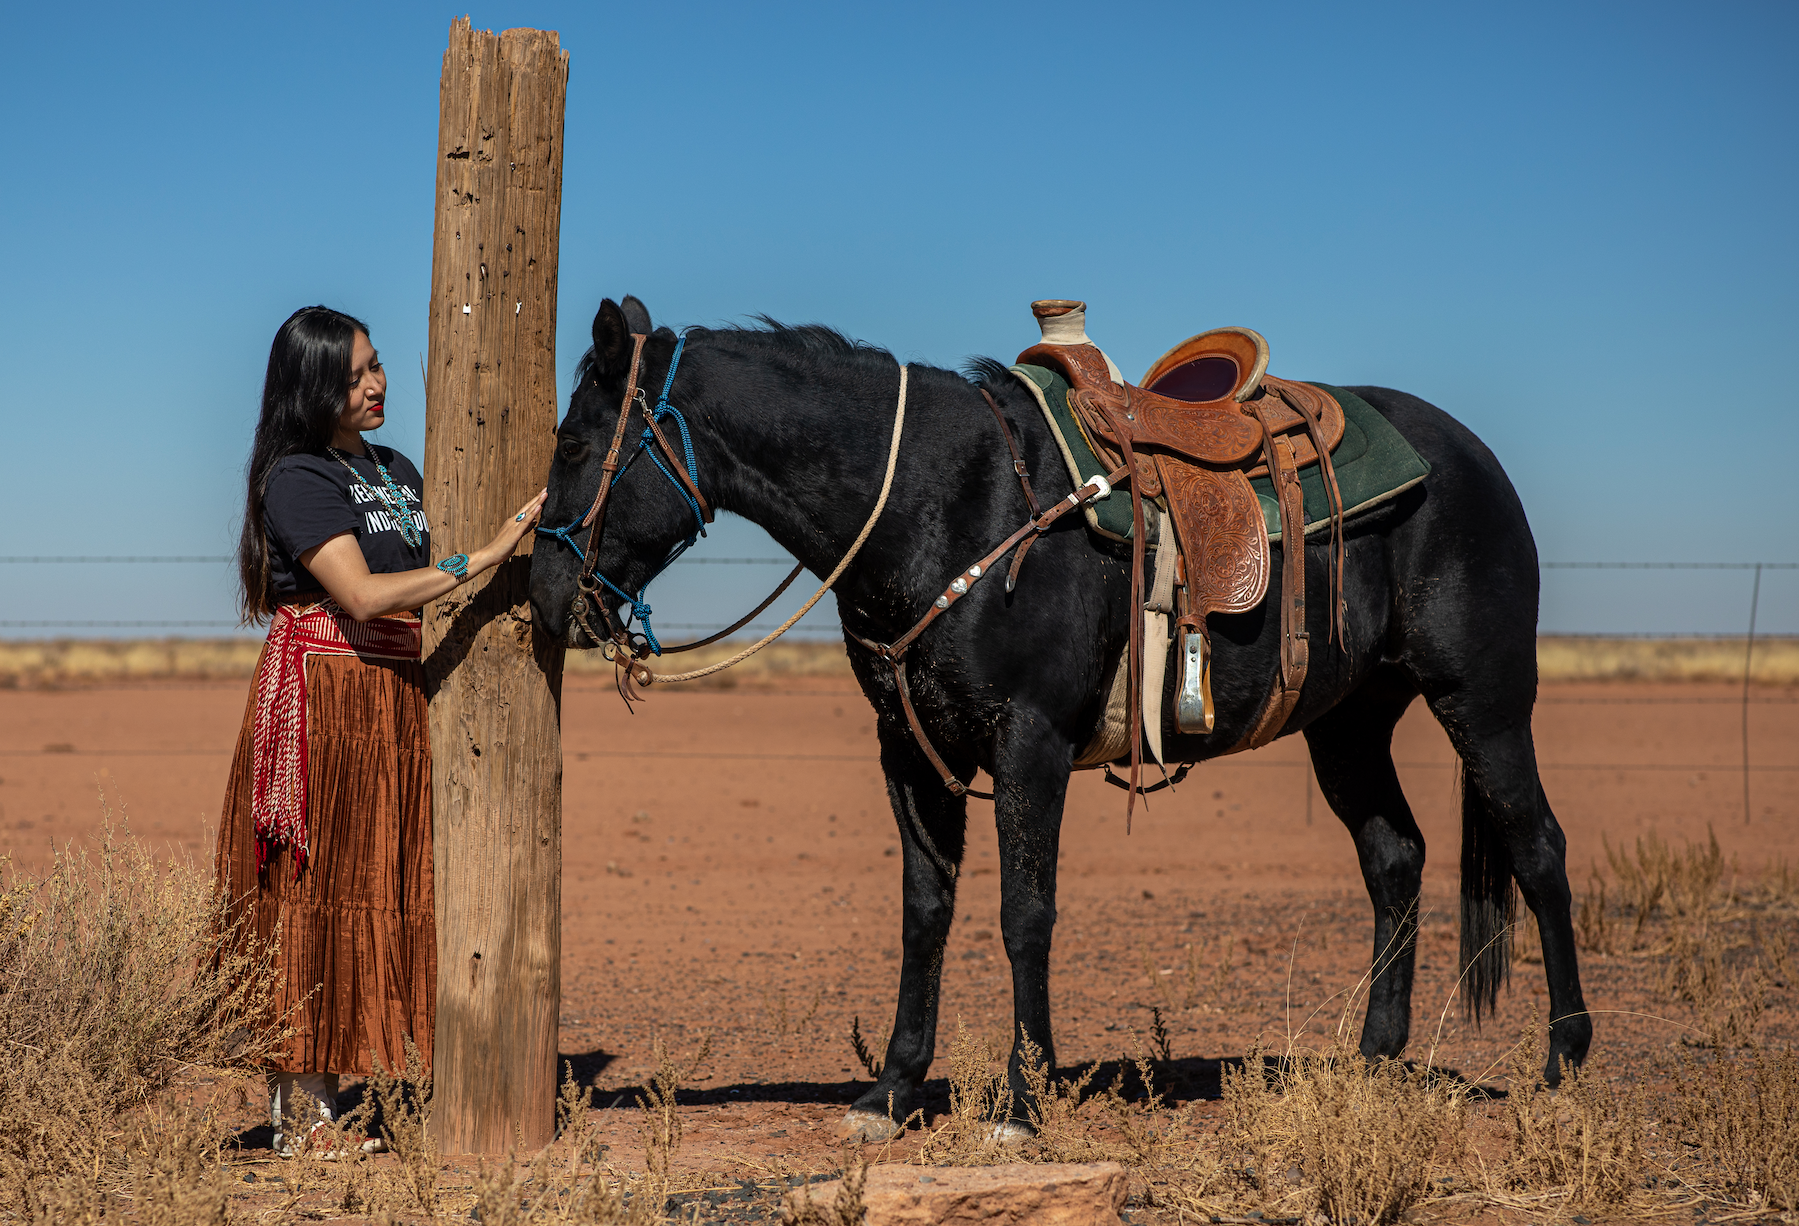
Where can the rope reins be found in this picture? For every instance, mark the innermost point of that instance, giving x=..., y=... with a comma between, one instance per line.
x=899, y=425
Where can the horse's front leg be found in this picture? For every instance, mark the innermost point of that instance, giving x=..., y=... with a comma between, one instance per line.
x=1030, y=771
x=932, y=828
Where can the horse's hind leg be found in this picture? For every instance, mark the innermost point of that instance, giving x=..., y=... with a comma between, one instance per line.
x=1352, y=753
x=932, y=830
x=1509, y=832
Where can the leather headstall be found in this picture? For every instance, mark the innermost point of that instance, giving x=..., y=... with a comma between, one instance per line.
x=620, y=644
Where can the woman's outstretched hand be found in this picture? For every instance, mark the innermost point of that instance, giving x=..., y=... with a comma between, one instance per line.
x=514, y=530
x=339, y=565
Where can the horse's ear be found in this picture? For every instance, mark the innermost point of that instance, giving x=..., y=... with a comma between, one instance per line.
x=636, y=314
x=611, y=340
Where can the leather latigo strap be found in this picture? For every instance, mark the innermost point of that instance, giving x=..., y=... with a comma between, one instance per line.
x=1295, y=658
x=1134, y=634
x=1094, y=411
x=1288, y=406
x=1321, y=449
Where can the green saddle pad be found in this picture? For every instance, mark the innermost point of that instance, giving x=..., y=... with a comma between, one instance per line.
x=1373, y=463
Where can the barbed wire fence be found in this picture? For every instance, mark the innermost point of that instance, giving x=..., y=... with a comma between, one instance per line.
x=1744, y=702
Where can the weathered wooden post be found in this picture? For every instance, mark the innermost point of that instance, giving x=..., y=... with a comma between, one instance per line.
x=496, y=688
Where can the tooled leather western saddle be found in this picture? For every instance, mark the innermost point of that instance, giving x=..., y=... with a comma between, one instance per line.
x=1205, y=420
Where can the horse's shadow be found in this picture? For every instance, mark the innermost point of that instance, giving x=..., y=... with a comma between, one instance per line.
x=1189, y=1079
x=1175, y=1083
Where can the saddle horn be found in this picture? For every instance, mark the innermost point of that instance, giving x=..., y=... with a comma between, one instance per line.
x=1064, y=322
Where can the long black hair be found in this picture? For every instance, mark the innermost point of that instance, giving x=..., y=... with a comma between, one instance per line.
x=303, y=395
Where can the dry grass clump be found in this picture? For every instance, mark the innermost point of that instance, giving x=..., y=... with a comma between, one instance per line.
x=661, y=1122
x=1062, y=1135
x=124, y=990
x=171, y=1175
x=1721, y=939
x=330, y=1175
x=979, y=1098
x=1583, y=1142
x=569, y=1184
x=556, y=1189
x=119, y=977
x=1327, y=1131
x=846, y=1207
x=1742, y=1115
x=1684, y=883
x=401, y=1103
x=1068, y=1120
x=1653, y=881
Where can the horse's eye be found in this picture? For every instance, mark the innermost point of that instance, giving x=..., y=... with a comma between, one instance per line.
x=571, y=448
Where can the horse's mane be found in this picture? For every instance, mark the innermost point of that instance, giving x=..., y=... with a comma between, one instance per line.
x=814, y=340
x=986, y=372
x=820, y=339
x=823, y=340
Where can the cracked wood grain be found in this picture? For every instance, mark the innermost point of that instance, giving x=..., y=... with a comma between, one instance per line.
x=495, y=687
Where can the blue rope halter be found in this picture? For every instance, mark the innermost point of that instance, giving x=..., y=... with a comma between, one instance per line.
x=639, y=609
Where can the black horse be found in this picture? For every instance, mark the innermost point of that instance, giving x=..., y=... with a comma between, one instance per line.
x=791, y=428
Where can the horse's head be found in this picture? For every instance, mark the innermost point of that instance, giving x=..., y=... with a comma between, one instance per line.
x=646, y=516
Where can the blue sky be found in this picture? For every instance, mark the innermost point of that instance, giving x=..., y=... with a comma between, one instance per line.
x=1568, y=225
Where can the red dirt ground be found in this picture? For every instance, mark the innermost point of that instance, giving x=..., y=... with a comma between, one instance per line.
x=730, y=867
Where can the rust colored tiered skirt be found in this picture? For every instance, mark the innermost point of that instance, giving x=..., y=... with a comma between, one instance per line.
x=358, y=961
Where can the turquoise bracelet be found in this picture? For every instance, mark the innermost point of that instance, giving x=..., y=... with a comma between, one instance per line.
x=456, y=564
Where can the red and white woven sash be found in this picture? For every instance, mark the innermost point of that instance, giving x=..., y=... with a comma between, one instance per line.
x=278, y=775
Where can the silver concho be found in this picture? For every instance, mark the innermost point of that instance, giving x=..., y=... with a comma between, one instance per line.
x=958, y=586
x=942, y=602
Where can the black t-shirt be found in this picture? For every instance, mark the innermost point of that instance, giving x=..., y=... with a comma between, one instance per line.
x=312, y=498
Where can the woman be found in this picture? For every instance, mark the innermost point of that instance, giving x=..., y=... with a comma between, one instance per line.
x=325, y=834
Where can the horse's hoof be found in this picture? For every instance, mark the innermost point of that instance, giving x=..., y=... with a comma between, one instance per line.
x=1010, y=1132
x=1557, y=1068
x=866, y=1126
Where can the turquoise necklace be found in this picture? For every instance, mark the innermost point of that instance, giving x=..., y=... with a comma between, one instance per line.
x=391, y=497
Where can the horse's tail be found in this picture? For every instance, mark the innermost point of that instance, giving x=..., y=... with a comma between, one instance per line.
x=1489, y=903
